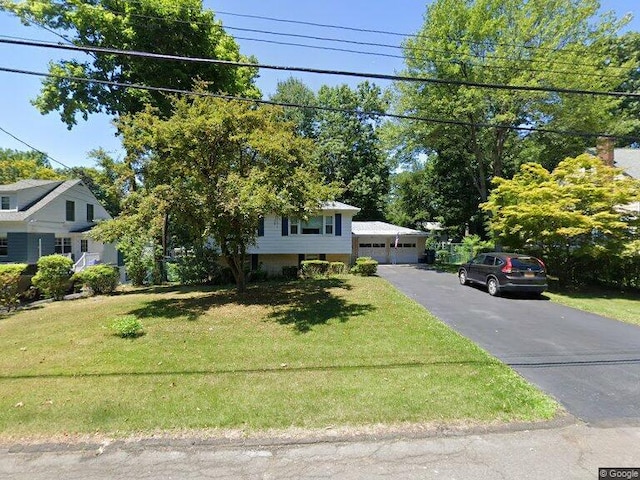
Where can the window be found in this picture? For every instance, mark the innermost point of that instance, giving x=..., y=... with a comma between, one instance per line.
x=84, y=245
x=408, y=245
x=328, y=225
x=89, y=212
x=314, y=226
x=63, y=245
x=71, y=211
x=5, y=203
x=4, y=247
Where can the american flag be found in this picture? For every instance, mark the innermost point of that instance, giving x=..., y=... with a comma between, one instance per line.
x=397, y=239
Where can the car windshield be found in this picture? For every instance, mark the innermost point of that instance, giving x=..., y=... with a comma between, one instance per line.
x=526, y=263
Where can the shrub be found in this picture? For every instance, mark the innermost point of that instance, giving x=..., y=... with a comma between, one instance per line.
x=314, y=268
x=365, y=266
x=195, y=267
x=54, y=275
x=127, y=327
x=337, y=268
x=101, y=279
x=290, y=272
x=10, y=284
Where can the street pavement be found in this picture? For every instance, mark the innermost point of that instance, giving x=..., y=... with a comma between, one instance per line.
x=589, y=363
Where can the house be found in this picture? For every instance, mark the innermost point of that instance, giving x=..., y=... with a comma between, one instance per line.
x=388, y=243
x=285, y=241
x=626, y=159
x=43, y=217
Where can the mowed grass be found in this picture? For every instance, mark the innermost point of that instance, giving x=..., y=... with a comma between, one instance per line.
x=617, y=305
x=340, y=352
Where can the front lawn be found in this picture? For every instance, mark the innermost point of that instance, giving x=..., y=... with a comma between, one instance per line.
x=617, y=305
x=340, y=352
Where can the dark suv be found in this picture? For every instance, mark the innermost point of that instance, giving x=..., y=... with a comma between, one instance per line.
x=502, y=272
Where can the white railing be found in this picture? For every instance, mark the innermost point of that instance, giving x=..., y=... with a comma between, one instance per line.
x=87, y=259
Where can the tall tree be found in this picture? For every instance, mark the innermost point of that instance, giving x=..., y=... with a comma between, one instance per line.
x=536, y=43
x=178, y=27
x=17, y=165
x=233, y=163
x=295, y=91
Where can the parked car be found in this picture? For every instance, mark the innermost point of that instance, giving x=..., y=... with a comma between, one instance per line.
x=505, y=272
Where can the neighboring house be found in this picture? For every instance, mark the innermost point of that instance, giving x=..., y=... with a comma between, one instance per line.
x=43, y=217
x=285, y=242
x=388, y=243
x=626, y=159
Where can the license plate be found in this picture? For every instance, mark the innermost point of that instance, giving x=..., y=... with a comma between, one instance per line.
x=529, y=275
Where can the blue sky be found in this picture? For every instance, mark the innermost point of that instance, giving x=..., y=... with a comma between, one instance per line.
x=49, y=134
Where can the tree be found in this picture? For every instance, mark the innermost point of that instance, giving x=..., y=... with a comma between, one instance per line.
x=574, y=212
x=231, y=163
x=536, y=43
x=16, y=165
x=626, y=51
x=177, y=27
x=295, y=91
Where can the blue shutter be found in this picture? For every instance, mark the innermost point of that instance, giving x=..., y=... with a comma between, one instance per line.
x=285, y=226
x=338, y=224
x=261, y=227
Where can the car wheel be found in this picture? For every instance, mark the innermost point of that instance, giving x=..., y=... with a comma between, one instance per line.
x=492, y=287
x=462, y=276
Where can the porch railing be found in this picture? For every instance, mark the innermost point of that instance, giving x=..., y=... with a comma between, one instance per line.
x=87, y=259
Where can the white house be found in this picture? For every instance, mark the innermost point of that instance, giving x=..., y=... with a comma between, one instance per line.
x=42, y=217
x=388, y=243
x=285, y=242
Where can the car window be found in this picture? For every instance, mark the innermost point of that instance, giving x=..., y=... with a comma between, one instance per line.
x=526, y=263
x=478, y=260
x=489, y=260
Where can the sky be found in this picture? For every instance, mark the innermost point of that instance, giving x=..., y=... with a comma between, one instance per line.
x=49, y=134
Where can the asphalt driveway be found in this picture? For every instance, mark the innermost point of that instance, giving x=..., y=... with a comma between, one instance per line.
x=589, y=363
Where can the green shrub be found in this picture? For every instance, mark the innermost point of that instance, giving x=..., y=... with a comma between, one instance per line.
x=290, y=272
x=10, y=284
x=337, y=268
x=365, y=266
x=54, y=275
x=127, y=327
x=196, y=267
x=314, y=268
x=101, y=279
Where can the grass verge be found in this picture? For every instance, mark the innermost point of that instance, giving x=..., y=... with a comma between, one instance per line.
x=617, y=305
x=341, y=352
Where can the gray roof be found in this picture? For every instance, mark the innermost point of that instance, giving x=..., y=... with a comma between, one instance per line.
x=382, y=228
x=628, y=159
x=339, y=206
x=48, y=195
x=24, y=184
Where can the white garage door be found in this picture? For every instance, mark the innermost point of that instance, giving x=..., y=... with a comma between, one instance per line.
x=375, y=249
x=405, y=253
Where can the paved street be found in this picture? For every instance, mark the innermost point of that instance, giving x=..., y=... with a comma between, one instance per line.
x=568, y=453
x=589, y=363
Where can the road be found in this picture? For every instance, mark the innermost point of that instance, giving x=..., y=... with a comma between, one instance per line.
x=589, y=363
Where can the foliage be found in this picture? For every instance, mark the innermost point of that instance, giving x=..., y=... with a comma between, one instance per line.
x=178, y=27
x=314, y=268
x=16, y=165
x=198, y=266
x=127, y=326
x=476, y=245
x=9, y=284
x=54, y=275
x=101, y=279
x=507, y=42
x=225, y=165
x=290, y=272
x=574, y=217
x=337, y=268
x=349, y=148
x=365, y=266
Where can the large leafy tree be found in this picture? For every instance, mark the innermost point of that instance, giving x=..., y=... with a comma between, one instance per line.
x=178, y=27
x=538, y=43
x=18, y=165
x=575, y=211
x=225, y=164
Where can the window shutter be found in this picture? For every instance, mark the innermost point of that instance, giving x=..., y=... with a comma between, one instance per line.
x=261, y=227
x=338, y=224
x=254, y=262
x=300, y=258
x=285, y=226
x=323, y=256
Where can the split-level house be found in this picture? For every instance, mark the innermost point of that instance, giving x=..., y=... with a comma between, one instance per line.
x=43, y=217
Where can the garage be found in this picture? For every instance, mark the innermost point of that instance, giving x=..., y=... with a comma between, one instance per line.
x=387, y=243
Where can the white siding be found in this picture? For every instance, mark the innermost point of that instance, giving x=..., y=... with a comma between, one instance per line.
x=28, y=196
x=273, y=242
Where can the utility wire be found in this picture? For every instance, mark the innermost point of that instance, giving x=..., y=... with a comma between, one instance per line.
x=378, y=76
x=34, y=148
x=373, y=114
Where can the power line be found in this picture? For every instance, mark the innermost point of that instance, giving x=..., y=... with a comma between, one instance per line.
x=34, y=148
x=321, y=108
x=345, y=73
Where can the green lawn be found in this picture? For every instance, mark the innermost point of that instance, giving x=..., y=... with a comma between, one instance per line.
x=341, y=352
x=620, y=306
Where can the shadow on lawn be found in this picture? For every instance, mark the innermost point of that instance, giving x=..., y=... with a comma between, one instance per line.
x=302, y=304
